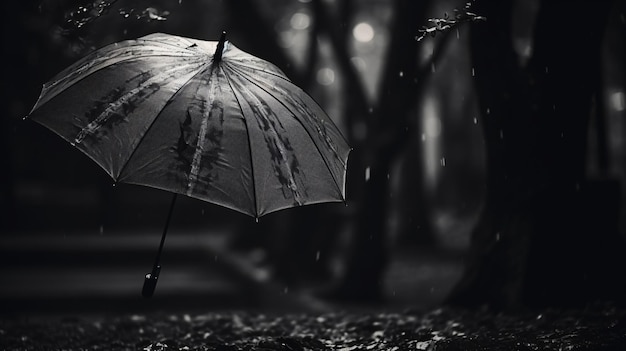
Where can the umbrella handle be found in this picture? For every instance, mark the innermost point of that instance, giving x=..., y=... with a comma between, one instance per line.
x=150, y=281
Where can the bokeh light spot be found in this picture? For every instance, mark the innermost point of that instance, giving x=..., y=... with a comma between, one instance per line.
x=325, y=76
x=618, y=101
x=432, y=126
x=359, y=63
x=363, y=32
x=300, y=21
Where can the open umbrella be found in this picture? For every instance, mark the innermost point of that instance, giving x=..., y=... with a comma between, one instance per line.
x=199, y=118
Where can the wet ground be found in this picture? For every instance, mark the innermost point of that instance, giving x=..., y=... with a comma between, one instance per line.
x=81, y=291
x=602, y=327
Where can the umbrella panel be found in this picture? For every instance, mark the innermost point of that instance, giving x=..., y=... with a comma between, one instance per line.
x=198, y=146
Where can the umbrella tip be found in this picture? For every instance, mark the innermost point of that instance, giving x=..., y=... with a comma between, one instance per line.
x=217, y=57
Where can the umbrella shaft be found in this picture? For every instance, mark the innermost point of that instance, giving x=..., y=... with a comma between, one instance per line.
x=167, y=224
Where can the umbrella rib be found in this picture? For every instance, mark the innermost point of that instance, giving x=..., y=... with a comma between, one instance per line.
x=124, y=46
x=339, y=187
x=245, y=122
x=43, y=98
x=163, y=42
x=276, y=75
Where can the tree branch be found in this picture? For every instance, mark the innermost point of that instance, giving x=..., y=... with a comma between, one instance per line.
x=444, y=24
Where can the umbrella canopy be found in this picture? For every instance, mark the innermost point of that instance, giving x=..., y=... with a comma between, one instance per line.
x=198, y=118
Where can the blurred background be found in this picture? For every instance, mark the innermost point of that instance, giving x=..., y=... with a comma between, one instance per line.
x=71, y=241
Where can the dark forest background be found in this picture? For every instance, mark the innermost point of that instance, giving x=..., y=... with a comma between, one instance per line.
x=501, y=140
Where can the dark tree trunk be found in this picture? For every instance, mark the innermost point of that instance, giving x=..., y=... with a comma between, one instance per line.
x=540, y=240
x=388, y=132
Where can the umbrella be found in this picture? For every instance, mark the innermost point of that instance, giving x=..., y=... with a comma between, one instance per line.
x=199, y=118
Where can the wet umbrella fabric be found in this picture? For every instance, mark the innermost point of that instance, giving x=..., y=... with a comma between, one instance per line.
x=198, y=118
x=160, y=111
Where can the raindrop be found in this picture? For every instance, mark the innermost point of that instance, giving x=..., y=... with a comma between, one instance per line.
x=367, y=174
x=488, y=110
x=432, y=67
x=286, y=291
x=458, y=34
x=498, y=236
x=443, y=162
x=370, y=110
x=388, y=175
x=202, y=212
x=215, y=258
x=101, y=229
x=401, y=74
x=475, y=120
x=473, y=72
x=501, y=134
x=546, y=69
x=553, y=107
x=317, y=256
x=423, y=137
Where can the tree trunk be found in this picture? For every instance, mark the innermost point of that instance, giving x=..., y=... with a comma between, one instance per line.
x=388, y=132
x=534, y=244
